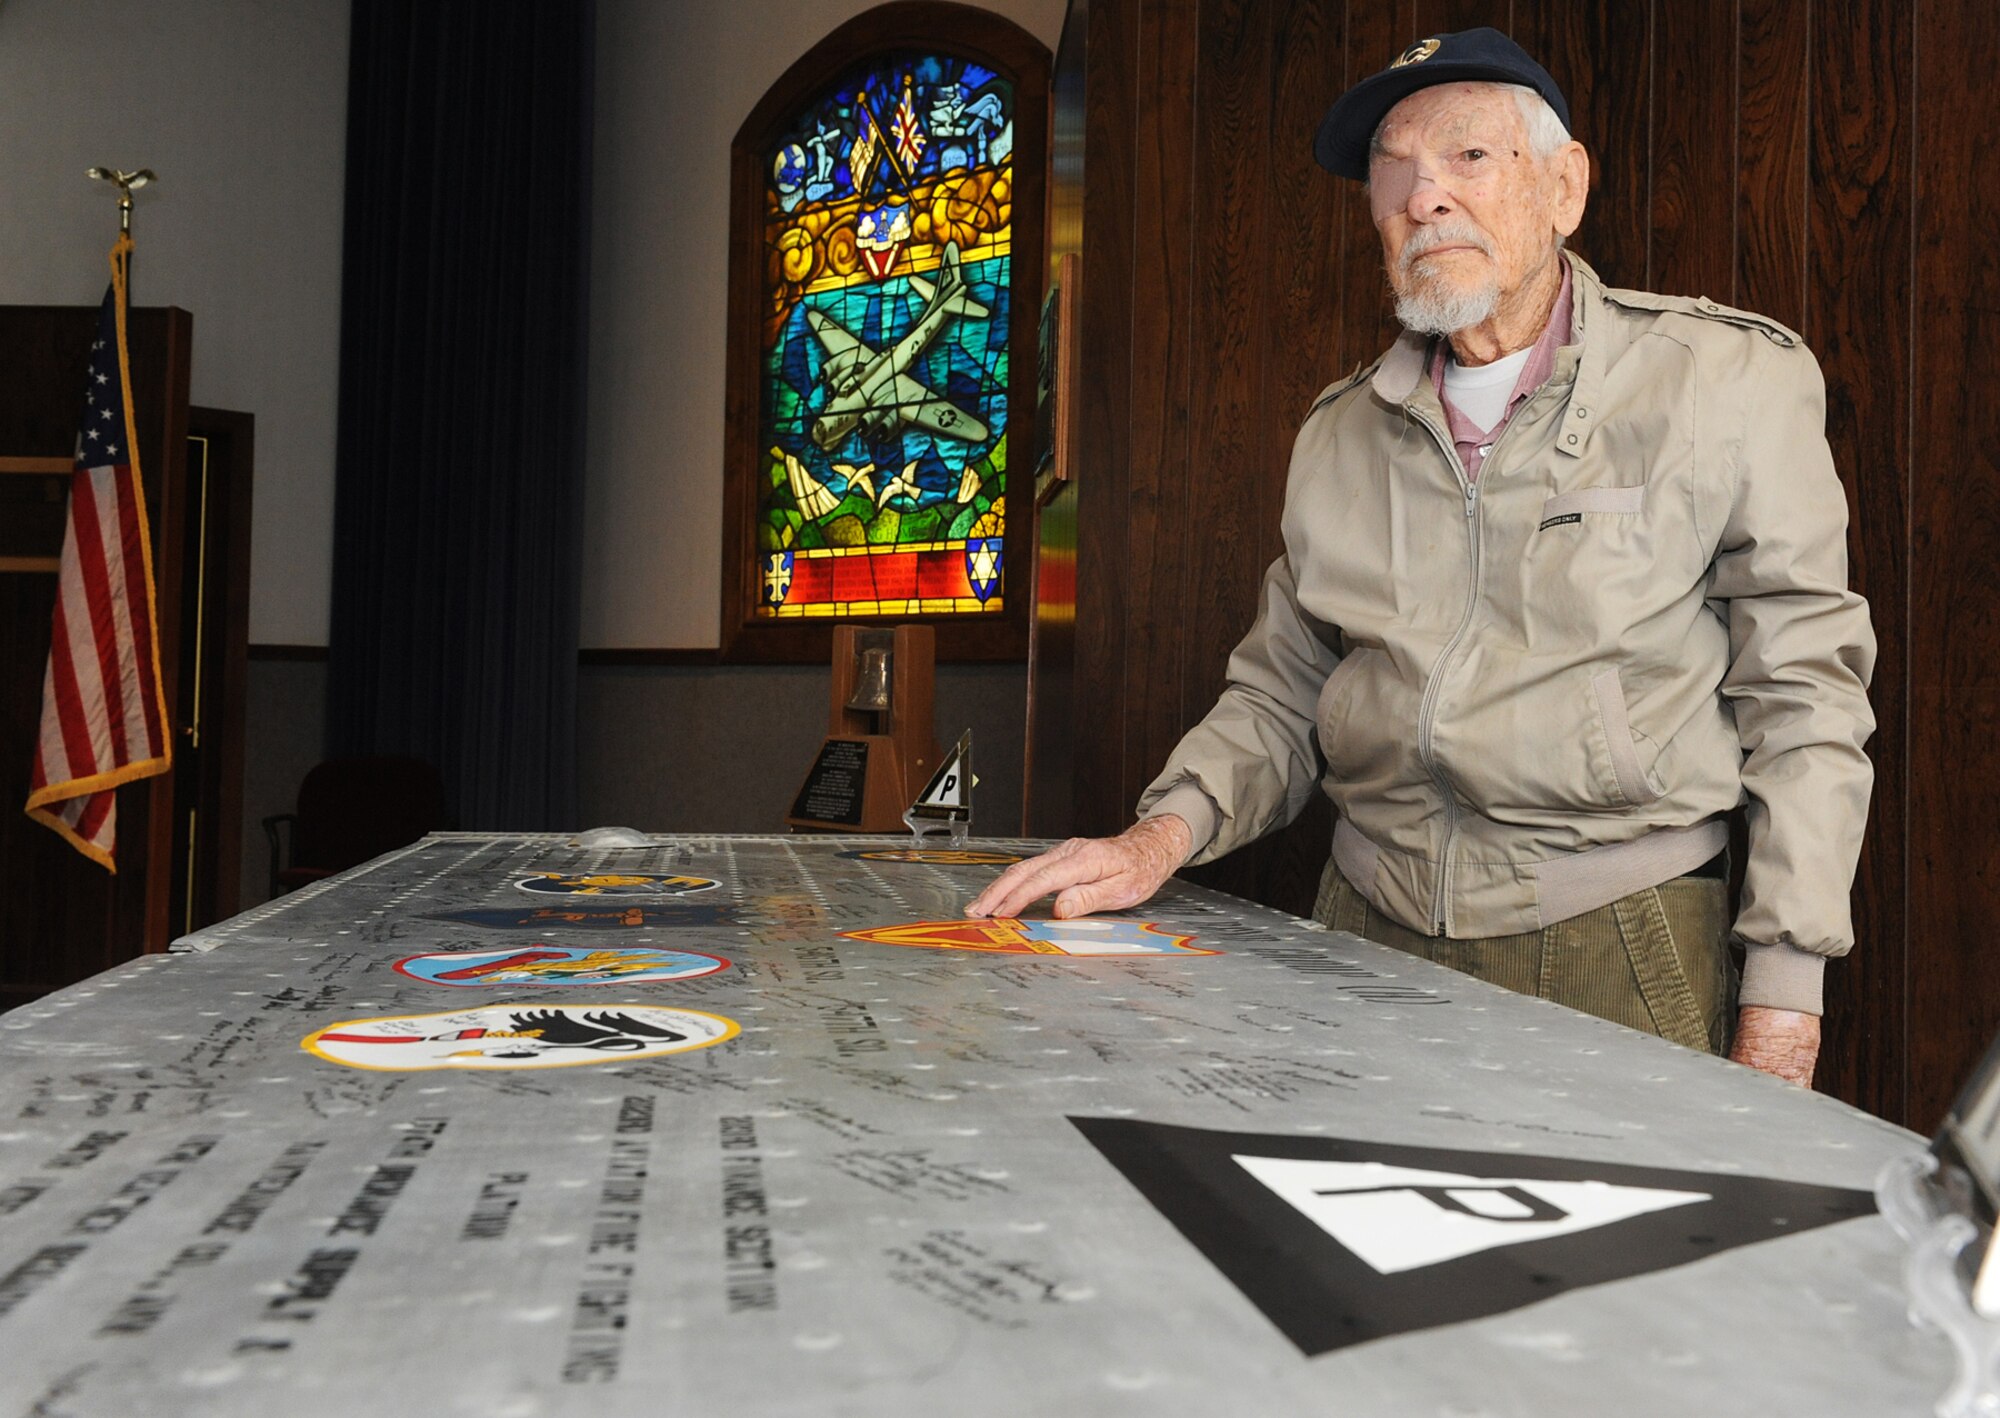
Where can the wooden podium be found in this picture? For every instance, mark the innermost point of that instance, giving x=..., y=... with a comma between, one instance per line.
x=880, y=747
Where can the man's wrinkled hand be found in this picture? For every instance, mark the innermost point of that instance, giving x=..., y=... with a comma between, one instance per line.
x=1783, y=1042
x=1089, y=874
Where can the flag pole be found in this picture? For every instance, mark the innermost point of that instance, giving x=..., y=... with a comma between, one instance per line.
x=121, y=285
x=126, y=183
x=121, y=254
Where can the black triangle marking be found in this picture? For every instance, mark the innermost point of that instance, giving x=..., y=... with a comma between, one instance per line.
x=1325, y=1297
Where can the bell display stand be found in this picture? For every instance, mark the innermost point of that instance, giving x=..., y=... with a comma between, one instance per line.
x=880, y=745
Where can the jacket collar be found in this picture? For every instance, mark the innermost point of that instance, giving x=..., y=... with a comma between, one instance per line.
x=1584, y=356
x=1402, y=368
x=1579, y=364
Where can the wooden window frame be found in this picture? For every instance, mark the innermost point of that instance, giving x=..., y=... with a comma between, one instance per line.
x=961, y=31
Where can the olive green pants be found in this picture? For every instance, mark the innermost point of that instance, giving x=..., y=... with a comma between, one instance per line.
x=1657, y=960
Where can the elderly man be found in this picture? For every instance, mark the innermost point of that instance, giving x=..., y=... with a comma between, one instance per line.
x=1564, y=582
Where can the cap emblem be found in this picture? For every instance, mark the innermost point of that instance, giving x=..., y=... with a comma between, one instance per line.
x=1418, y=52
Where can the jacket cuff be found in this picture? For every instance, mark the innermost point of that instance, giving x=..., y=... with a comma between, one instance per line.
x=1782, y=977
x=1194, y=807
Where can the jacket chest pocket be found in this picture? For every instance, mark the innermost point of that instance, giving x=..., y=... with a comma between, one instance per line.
x=1616, y=524
x=1592, y=563
x=1570, y=508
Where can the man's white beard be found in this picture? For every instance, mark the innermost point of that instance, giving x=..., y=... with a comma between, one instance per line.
x=1428, y=310
x=1429, y=306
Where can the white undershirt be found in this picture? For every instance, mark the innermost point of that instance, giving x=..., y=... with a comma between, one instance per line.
x=1481, y=393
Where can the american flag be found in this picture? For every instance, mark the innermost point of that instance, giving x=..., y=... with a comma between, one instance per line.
x=861, y=157
x=104, y=709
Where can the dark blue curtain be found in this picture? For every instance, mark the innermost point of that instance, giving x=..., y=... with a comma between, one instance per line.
x=459, y=501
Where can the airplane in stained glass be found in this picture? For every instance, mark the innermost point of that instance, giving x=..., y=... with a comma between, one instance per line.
x=873, y=390
x=882, y=468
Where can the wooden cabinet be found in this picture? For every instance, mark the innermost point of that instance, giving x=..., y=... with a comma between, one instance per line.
x=66, y=917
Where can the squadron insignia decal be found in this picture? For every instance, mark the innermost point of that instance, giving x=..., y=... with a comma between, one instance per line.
x=613, y=884
x=677, y=914
x=1008, y=936
x=1340, y=1241
x=935, y=856
x=517, y=1036
x=558, y=965
x=1404, y=1218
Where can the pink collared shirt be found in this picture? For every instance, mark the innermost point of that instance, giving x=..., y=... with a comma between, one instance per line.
x=1474, y=442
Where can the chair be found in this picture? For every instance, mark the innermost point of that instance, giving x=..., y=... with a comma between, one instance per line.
x=352, y=809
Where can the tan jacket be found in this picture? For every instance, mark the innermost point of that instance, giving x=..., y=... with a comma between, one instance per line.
x=1534, y=694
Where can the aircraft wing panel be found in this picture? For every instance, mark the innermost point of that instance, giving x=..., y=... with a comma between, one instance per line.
x=835, y=339
x=919, y=406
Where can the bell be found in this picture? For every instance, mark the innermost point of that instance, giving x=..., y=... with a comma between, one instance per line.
x=871, y=687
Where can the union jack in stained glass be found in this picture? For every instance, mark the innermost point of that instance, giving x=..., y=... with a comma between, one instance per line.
x=909, y=137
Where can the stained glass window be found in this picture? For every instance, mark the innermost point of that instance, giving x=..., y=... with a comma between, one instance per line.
x=888, y=218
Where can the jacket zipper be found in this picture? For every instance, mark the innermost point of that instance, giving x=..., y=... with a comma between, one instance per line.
x=1427, y=707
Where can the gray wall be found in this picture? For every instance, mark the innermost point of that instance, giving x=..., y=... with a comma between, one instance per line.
x=285, y=708
x=723, y=750
x=241, y=107
x=664, y=749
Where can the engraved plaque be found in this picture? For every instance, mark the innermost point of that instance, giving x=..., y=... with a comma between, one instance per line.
x=832, y=791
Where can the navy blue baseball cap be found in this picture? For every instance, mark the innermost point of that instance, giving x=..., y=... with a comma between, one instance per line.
x=1481, y=55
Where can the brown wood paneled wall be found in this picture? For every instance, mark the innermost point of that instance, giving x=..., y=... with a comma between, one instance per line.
x=1807, y=160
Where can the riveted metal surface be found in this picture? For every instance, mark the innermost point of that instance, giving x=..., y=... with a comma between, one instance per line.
x=903, y=1185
